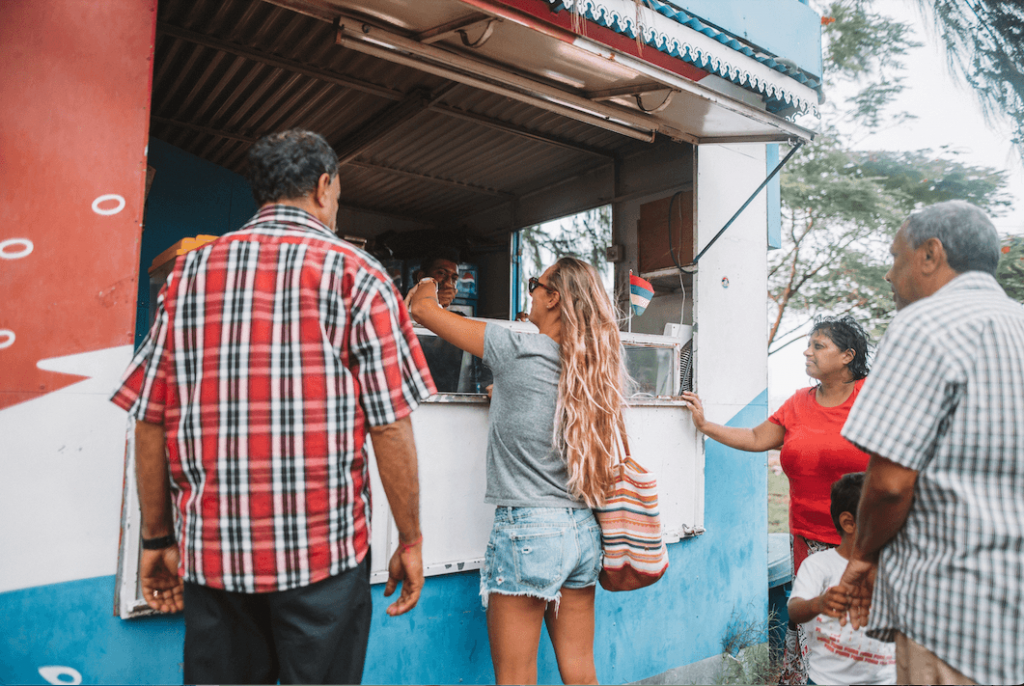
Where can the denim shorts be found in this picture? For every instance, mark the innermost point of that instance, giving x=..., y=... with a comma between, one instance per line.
x=536, y=551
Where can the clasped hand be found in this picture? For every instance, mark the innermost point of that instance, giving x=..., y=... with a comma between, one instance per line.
x=858, y=584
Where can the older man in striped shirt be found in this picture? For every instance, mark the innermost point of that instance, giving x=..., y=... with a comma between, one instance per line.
x=940, y=529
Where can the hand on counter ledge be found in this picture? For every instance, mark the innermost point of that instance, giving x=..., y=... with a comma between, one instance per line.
x=696, y=409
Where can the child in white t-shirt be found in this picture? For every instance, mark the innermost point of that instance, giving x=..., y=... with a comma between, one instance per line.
x=838, y=654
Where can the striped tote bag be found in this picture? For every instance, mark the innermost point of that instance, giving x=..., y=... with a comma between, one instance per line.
x=634, y=550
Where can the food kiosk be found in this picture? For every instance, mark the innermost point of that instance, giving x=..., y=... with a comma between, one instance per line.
x=463, y=120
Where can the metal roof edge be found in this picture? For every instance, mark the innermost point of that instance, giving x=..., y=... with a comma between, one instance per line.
x=685, y=37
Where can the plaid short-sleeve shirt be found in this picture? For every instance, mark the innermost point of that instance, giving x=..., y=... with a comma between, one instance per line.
x=946, y=399
x=274, y=348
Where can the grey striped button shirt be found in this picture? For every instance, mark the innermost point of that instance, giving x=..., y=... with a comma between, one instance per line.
x=946, y=398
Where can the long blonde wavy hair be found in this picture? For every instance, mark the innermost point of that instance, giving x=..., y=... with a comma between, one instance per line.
x=591, y=390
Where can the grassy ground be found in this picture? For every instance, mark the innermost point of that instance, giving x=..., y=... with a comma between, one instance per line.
x=778, y=496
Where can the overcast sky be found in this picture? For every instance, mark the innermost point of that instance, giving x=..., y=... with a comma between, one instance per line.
x=947, y=114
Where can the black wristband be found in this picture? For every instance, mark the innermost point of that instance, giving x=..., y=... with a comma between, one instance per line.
x=158, y=543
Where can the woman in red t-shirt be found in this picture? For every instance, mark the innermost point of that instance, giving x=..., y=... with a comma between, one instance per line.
x=814, y=454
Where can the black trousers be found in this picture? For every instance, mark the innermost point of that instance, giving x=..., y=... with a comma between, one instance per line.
x=311, y=635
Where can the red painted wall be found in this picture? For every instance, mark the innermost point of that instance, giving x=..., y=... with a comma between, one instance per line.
x=74, y=119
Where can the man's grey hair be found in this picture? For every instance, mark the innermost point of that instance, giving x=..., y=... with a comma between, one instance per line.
x=968, y=236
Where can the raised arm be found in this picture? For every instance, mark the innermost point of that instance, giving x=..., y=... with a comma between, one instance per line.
x=461, y=332
x=765, y=436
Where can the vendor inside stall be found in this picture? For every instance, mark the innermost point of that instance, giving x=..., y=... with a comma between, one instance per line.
x=442, y=265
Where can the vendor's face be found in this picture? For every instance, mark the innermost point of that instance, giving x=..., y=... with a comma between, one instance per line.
x=823, y=357
x=446, y=273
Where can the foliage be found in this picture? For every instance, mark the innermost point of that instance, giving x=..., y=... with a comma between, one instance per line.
x=1010, y=272
x=841, y=209
x=584, y=236
x=746, y=656
x=862, y=53
x=841, y=206
x=862, y=57
x=985, y=42
x=922, y=179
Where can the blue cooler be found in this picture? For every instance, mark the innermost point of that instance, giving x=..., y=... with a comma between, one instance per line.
x=780, y=584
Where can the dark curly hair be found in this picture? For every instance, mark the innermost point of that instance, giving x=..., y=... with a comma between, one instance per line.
x=288, y=165
x=847, y=333
x=447, y=254
x=846, y=496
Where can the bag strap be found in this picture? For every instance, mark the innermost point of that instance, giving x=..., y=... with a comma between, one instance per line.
x=623, y=437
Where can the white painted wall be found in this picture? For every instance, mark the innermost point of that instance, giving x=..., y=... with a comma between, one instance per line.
x=730, y=341
x=62, y=461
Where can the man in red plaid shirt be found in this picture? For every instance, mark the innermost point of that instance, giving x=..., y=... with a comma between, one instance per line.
x=275, y=349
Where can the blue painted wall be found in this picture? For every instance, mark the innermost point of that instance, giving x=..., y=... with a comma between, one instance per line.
x=714, y=581
x=189, y=196
x=73, y=625
x=786, y=28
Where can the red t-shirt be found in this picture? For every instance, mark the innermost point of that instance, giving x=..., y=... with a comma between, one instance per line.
x=814, y=456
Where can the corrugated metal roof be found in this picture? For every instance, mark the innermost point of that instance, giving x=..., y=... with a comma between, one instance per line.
x=227, y=72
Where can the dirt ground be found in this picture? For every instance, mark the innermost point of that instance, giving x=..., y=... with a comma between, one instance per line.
x=778, y=496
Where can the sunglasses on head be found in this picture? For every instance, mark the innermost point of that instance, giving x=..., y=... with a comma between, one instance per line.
x=532, y=284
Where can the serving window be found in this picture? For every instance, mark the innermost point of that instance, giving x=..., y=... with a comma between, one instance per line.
x=455, y=371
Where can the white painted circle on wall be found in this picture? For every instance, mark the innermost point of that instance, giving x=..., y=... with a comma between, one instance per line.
x=15, y=248
x=68, y=676
x=105, y=199
x=6, y=338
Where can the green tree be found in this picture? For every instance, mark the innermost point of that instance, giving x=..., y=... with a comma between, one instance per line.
x=584, y=236
x=841, y=209
x=1010, y=273
x=985, y=47
x=841, y=206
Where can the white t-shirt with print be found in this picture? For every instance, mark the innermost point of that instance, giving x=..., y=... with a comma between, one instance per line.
x=839, y=654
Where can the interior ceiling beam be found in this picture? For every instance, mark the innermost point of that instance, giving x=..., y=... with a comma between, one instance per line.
x=639, y=89
x=520, y=131
x=417, y=218
x=279, y=62
x=766, y=138
x=471, y=71
x=438, y=32
x=386, y=122
x=241, y=137
x=461, y=185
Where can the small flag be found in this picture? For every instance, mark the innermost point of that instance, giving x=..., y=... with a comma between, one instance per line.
x=640, y=294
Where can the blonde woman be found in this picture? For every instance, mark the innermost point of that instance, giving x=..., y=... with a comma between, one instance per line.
x=555, y=413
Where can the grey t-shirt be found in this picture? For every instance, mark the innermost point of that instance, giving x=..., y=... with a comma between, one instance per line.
x=523, y=470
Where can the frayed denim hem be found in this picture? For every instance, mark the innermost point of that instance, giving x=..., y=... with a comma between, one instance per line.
x=485, y=593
